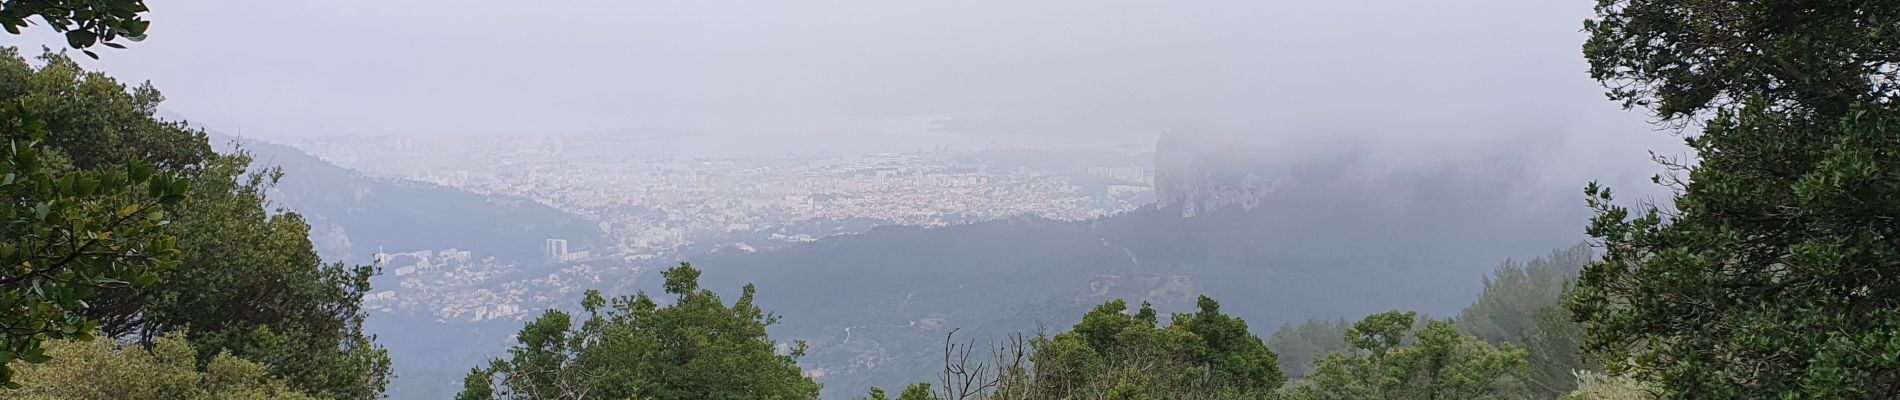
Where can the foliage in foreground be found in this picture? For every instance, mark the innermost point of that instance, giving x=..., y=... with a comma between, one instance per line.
x=695, y=348
x=69, y=234
x=247, y=279
x=1204, y=354
x=1776, y=273
x=1597, y=386
x=1114, y=354
x=83, y=22
x=1440, y=363
x=104, y=369
x=1520, y=306
x=1772, y=272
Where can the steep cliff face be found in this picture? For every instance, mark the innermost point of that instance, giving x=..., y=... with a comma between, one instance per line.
x=1199, y=173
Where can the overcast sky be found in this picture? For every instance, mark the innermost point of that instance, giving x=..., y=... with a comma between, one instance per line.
x=1406, y=73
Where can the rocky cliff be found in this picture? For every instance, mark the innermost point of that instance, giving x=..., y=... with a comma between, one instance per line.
x=1199, y=173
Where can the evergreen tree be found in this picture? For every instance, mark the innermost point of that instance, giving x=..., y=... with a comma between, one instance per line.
x=1440, y=363
x=1113, y=354
x=1299, y=346
x=1775, y=271
x=247, y=280
x=1521, y=306
x=695, y=348
x=1516, y=293
x=69, y=234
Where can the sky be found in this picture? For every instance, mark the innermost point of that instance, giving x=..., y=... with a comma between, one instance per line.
x=1420, y=79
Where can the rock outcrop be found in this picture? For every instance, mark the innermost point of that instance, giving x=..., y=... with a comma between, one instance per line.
x=1201, y=173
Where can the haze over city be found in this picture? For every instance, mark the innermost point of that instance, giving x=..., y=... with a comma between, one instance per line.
x=841, y=74
x=951, y=200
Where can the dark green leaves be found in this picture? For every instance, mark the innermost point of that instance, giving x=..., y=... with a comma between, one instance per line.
x=81, y=39
x=1773, y=273
x=85, y=22
x=139, y=171
x=1679, y=58
x=695, y=348
x=1113, y=354
x=86, y=229
x=35, y=357
x=1438, y=363
x=244, y=280
x=1776, y=273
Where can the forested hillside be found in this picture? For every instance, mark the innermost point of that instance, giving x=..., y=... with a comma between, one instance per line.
x=1329, y=249
x=353, y=216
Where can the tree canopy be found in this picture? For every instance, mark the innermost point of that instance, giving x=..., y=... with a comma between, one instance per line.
x=1113, y=353
x=246, y=279
x=1299, y=345
x=70, y=233
x=916, y=391
x=1772, y=273
x=170, y=369
x=1440, y=363
x=697, y=347
x=84, y=22
x=1682, y=57
x=1521, y=305
x=1204, y=354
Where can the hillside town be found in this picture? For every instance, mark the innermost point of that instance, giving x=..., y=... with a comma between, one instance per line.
x=650, y=203
x=654, y=205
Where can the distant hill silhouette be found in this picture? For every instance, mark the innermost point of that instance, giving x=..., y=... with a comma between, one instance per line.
x=1329, y=240
x=352, y=215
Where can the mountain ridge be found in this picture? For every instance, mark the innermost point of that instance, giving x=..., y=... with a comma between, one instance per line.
x=353, y=215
